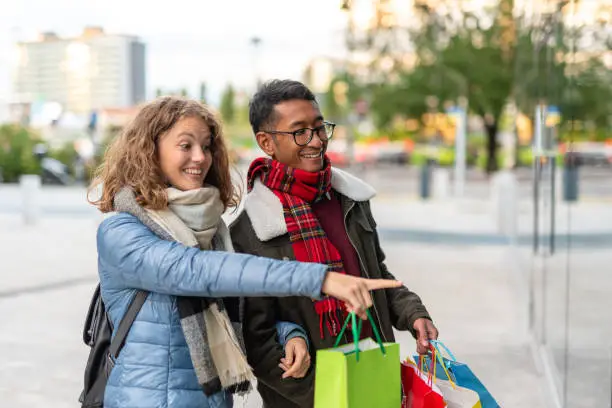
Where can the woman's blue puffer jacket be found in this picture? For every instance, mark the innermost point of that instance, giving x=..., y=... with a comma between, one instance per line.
x=154, y=369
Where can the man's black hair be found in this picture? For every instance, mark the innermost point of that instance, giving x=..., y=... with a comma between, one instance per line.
x=270, y=94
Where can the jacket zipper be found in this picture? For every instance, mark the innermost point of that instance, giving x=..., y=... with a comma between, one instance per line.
x=365, y=270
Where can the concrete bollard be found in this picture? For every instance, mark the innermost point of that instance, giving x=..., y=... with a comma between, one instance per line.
x=504, y=197
x=570, y=183
x=441, y=183
x=30, y=194
x=425, y=180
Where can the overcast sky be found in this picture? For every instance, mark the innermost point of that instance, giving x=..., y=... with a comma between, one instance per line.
x=189, y=41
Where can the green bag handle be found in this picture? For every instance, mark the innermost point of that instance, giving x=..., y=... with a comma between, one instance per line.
x=356, y=328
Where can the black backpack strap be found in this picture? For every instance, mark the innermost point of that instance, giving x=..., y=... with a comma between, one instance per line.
x=92, y=320
x=126, y=323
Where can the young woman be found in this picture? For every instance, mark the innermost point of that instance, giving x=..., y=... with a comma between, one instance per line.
x=167, y=176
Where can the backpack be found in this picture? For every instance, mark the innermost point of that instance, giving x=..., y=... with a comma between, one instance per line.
x=98, y=334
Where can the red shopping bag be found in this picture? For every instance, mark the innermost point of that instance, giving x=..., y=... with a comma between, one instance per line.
x=419, y=390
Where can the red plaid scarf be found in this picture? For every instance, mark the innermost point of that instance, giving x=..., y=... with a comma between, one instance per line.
x=297, y=190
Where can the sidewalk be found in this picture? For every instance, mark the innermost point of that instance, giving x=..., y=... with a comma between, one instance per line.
x=477, y=305
x=471, y=214
x=49, y=272
x=478, y=216
x=55, y=252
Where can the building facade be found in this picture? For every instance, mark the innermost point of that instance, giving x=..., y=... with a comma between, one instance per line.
x=90, y=72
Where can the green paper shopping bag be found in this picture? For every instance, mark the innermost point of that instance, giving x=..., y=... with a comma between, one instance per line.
x=364, y=374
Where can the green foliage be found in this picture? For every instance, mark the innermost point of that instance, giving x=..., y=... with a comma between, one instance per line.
x=343, y=92
x=525, y=156
x=394, y=134
x=491, y=59
x=228, y=104
x=66, y=154
x=332, y=109
x=418, y=158
x=443, y=155
x=16, y=152
x=446, y=157
x=582, y=135
x=482, y=159
x=406, y=98
x=203, y=92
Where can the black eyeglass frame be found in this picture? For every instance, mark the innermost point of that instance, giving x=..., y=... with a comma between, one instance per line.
x=296, y=133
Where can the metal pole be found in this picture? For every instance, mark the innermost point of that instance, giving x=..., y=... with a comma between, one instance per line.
x=536, y=202
x=349, y=39
x=553, y=172
x=537, y=169
x=460, y=151
x=256, y=42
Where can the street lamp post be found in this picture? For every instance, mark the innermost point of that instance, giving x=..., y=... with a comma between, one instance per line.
x=346, y=6
x=460, y=147
x=256, y=43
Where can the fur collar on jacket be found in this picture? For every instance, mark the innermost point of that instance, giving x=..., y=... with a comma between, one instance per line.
x=266, y=212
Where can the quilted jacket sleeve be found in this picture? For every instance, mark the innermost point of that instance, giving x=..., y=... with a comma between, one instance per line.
x=139, y=259
x=288, y=330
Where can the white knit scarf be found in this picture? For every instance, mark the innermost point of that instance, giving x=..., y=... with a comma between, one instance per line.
x=193, y=218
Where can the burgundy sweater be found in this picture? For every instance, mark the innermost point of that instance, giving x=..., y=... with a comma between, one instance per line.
x=331, y=218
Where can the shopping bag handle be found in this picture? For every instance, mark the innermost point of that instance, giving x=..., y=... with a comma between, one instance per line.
x=437, y=344
x=356, y=328
x=444, y=361
x=431, y=370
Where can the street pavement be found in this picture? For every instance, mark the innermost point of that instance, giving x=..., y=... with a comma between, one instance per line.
x=390, y=182
x=45, y=294
x=469, y=292
x=594, y=183
x=450, y=253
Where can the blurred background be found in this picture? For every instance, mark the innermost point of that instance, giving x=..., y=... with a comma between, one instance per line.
x=484, y=125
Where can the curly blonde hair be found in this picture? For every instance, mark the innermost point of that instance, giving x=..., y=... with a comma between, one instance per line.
x=132, y=159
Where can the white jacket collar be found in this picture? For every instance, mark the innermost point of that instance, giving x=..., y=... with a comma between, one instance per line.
x=266, y=211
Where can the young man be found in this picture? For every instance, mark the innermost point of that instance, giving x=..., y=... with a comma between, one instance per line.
x=299, y=207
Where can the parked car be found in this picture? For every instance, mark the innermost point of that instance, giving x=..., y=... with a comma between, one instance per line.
x=591, y=153
x=54, y=172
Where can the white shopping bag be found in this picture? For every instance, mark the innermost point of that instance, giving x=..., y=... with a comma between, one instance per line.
x=458, y=397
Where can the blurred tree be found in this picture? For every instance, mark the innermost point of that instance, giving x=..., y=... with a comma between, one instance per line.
x=67, y=154
x=17, y=152
x=554, y=71
x=331, y=108
x=241, y=109
x=343, y=92
x=158, y=92
x=228, y=104
x=470, y=56
x=491, y=58
x=203, y=92
x=184, y=93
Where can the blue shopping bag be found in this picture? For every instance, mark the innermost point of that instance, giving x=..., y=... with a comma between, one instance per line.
x=461, y=374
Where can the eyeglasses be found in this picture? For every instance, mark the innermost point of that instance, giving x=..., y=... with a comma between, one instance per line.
x=302, y=137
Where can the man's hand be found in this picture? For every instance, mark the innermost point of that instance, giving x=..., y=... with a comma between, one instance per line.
x=425, y=331
x=297, y=358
